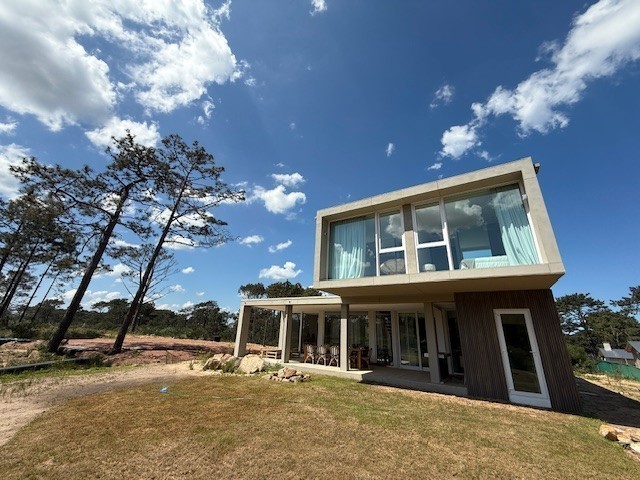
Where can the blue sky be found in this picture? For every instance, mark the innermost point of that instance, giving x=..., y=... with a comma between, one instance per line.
x=309, y=104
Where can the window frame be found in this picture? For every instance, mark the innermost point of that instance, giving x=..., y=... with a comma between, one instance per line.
x=379, y=249
x=443, y=224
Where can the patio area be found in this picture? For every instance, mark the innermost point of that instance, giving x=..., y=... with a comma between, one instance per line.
x=379, y=375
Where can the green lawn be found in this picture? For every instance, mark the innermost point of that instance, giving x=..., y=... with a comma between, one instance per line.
x=248, y=427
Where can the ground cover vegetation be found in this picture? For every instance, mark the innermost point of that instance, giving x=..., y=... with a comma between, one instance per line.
x=247, y=427
x=588, y=322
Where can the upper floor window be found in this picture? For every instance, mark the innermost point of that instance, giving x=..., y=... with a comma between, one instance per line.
x=430, y=242
x=490, y=229
x=367, y=246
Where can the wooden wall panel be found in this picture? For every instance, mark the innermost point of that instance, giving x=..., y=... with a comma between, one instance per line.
x=484, y=373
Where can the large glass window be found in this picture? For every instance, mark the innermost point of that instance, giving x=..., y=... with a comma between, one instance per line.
x=432, y=249
x=352, y=248
x=490, y=229
x=358, y=330
x=391, y=248
x=355, y=253
x=384, y=347
x=332, y=329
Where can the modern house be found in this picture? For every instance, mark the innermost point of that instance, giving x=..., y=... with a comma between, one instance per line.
x=450, y=278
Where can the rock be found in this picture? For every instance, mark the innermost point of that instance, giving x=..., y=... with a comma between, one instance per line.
x=624, y=437
x=251, y=364
x=609, y=432
x=213, y=363
x=288, y=372
x=635, y=447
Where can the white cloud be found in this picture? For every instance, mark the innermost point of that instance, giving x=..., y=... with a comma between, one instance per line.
x=279, y=165
x=251, y=240
x=90, y=297
x=207, y=111
x=175, y=50
x=288, y=180
x=277, y=200
x=319, y=6
x=458, y=140
x=118, y=270
x=601, y=41
x=119, y=243
x=11, y=154
x=390, y=148
x=276, y=272
x=144, y=133
x=188, y=270
x=8, y=127
x=187, y=304
x=292, y=126
x=280, y=246
x=250, y=82
x=435, y=166
x=200, y=294
x=442, y=96
x=177, y=288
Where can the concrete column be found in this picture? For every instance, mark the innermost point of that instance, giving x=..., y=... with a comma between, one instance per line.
x=371, y=315
x=320, y=336
x=432, y=343
x=281, y=332
x=344, y=337
x=287, y=327
x=411, y=262
x=242, y=332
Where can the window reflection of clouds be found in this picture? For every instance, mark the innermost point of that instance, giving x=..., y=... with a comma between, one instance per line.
x=462, y=214
x=391, y=225
x=428, y=224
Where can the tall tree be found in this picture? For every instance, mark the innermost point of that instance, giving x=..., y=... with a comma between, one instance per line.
x=188, y=188
x=99, y=200
x=630, y=305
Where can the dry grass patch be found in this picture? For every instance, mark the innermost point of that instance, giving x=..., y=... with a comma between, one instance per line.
x=238, y=427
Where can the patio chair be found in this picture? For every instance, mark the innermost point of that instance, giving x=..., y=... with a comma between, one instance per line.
x=334, y=355
x=309, y=353
x=364, y=359
x=323, y=355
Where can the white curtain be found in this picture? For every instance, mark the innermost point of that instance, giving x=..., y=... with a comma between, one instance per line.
x=348, y=241
x=514, y=227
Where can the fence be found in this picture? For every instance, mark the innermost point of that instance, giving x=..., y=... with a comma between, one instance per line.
x=626, y=371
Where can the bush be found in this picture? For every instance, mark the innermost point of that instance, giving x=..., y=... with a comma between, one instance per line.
x=23, y=330
x=580, y=360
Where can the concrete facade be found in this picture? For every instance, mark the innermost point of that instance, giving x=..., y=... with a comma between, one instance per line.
x=391, y=303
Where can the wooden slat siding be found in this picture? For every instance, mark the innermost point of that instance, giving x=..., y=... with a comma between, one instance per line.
x=475, y=312
x=483, y=371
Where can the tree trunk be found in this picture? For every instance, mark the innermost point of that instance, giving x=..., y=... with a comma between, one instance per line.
x=46, y=294
x=9, y=248
x=146, y=278
x=15, y=282
x=65, y=323
x=35, y=290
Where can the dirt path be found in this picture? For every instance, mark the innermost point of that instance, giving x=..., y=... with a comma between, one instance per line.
x=21, y=401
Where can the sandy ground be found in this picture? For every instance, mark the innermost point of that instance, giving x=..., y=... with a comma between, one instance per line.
x=165, y=360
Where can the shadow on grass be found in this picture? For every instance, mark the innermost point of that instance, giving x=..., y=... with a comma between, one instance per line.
x=608, y=406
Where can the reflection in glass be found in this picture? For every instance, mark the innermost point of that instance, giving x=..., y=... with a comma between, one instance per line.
x=429, y=224
x=433, y=258
x=490, y=229
x=521, y=361
x=392, y=263
x=358, y=330
x=332, y=329
x=409, y=354
x=383, y=338
x=391, y=230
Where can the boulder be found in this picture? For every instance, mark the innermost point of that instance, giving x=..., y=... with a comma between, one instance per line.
x=215, y=362
x=288, y=372
x=251, y=364
x=609, y=432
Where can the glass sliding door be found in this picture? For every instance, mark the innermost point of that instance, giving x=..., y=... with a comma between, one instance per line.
x=408, y=338
x=521, y=359
x=384, y=346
